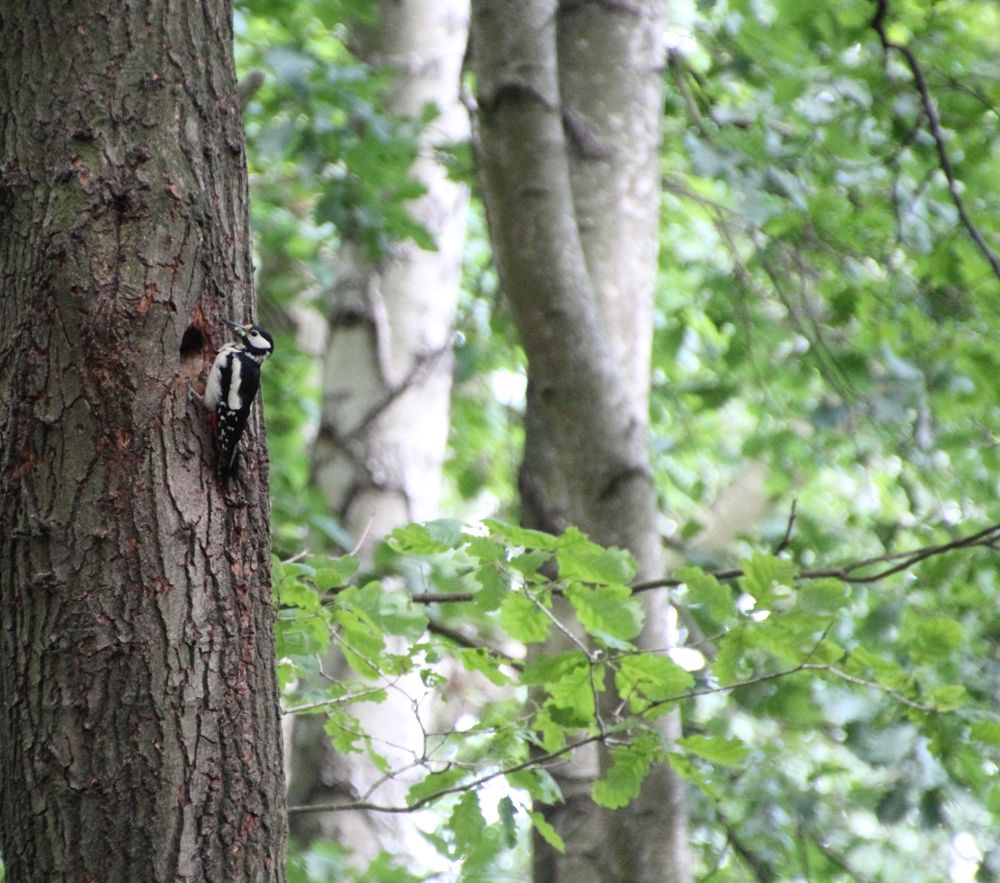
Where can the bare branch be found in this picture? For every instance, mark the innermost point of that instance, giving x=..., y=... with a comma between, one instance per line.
x=463, y=640
x=850, y=573
x=786, y=539
x=835, y=858
x=903, y=560
x=608, y=732
x=758, y=866
x=875, y=685
x=346, y=699
x=455, y=789
x=442, y=597
x=934, y=123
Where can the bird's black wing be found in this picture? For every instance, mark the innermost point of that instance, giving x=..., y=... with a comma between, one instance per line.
x=233, y=421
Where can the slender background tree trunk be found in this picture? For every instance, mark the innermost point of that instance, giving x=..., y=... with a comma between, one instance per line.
x=568, y=109
x=386, y=393
x=387, y=372
x=140, y=734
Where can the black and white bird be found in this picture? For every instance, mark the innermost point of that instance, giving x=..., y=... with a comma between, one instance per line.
x=231, y=388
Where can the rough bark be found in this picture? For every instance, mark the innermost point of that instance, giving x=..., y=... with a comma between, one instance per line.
x=141, y=731
x=569, y=151
x=386, y=388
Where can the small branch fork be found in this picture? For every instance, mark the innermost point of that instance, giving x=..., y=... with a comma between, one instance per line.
x=531, y=762
x=853, y=572
x=605, y=734
x=857, y=572
x=934, y=123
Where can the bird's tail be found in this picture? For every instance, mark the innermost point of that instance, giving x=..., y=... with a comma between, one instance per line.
x=226, y=460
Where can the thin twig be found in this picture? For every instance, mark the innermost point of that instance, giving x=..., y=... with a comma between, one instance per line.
x=462, y=640
x=360, y=696
x=934, y=123
x=442, y=597
x=363, y=537
x=606, y=733
x=758, y=865
x=904, y=560
x=558, y=623
x=835, y=858
x=455, y=789
x=875, y=685
x=786, y=539
x=848, y=573
x=298, y=556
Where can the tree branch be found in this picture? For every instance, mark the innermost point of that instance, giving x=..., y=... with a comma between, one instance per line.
x=848, y=573
x=787, y=537
x=934, y=123
x=462, y=640
x=988, y=537
x=607, y=732
x=454, y=789
x=875, y=685
x=758, y=866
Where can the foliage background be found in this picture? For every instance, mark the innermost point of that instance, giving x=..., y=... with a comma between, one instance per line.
x=825, y=316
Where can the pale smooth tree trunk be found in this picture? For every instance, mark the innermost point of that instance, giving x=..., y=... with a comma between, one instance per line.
x=568, y=109
x=386, y=392
x=140, y=734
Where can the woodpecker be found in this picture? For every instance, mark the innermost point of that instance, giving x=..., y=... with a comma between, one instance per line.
x=231, y=388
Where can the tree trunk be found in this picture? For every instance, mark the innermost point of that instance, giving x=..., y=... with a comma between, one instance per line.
x=569, y=161
x=386, y=390
x=141, y=734
x=611, y=94
x=387, y=373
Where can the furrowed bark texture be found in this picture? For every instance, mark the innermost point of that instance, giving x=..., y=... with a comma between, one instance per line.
x=569, y=142
x=140, y=737
x=386, y=396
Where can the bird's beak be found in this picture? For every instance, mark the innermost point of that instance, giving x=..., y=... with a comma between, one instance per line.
x=239, y=329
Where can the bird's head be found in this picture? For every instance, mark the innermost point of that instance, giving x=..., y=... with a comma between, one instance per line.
x=254, y=338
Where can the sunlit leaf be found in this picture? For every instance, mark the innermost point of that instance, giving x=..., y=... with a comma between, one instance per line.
x=581, y=560
x=521, y=536
x=767, y=578
x=522, y=619
x=725, y=751
x=441, y=780
x=479, y=660
x=467, y=822
x=936, y=638
x=948, y=697
x=644, y=678
x=611, y=613
x=630, y=765
x=547, y=832
x=705, y=590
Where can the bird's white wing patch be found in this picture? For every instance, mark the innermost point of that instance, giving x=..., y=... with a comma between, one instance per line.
x=233, y=399
x=213, y=387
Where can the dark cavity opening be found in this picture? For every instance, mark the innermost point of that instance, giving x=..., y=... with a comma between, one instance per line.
x=192, y=343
